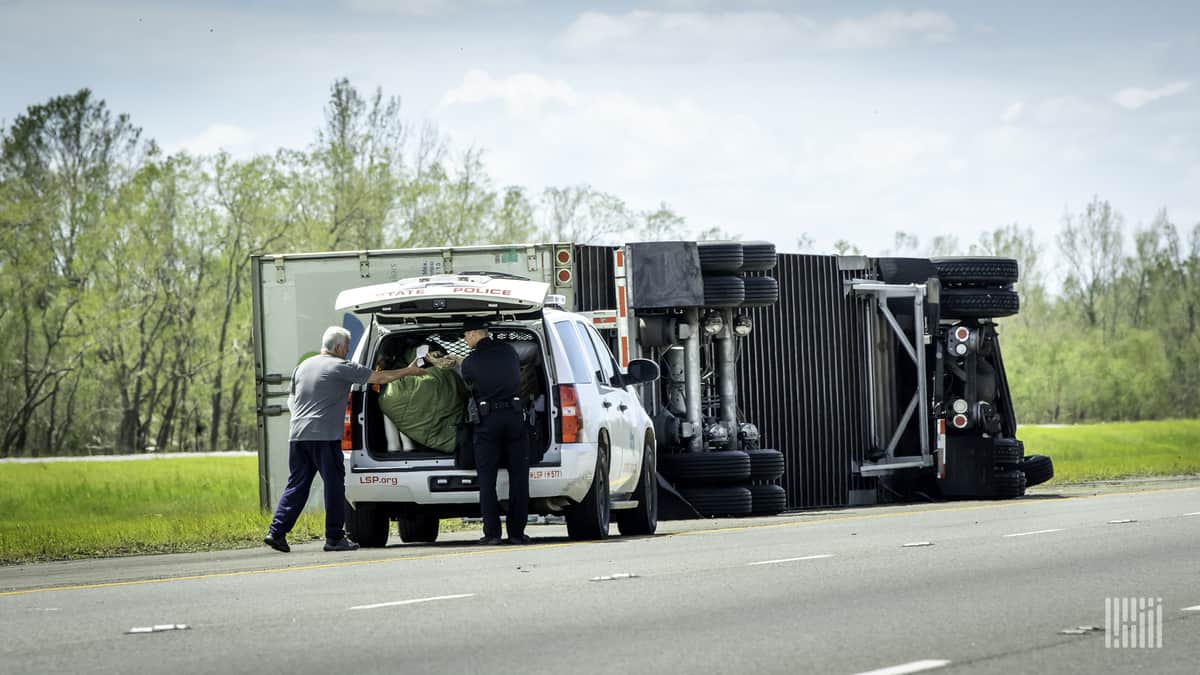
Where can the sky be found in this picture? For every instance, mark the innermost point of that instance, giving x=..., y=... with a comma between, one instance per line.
x=770, y=120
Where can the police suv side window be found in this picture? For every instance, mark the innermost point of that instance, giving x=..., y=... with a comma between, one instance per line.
x=594, y=359
x=581, y=368
x=608, y=365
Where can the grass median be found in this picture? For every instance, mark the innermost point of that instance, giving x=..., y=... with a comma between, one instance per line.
x=1087, y=452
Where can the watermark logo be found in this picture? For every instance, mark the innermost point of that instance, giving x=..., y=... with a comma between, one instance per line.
x=1133, y=623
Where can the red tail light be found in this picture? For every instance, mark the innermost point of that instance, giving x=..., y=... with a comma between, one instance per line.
x=347, y=430
x=568, y=412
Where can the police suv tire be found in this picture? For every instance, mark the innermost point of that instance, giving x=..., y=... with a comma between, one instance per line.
x=720, y=501
x=418, y=529
x=760, y=291
x=367, y=525
x=724, y=290
x=1008, y=484
x=978, y=303
x=589, y=519
x=720, y=256
x=643, y=519
x=1006, y=452
x=1037, y=469
x=767, y=499
x=976, y=271
x=758, y=256
x=697, y=469
x=765, y=464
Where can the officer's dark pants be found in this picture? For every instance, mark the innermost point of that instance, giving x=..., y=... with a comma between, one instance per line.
x=305, y=460
x=503, y=434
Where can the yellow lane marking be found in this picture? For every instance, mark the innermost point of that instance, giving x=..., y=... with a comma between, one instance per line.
x=491, y=551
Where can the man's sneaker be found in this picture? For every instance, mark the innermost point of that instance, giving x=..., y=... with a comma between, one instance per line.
x=490, y=541
x=520, y=539
x=342, y=544
x=278, y=543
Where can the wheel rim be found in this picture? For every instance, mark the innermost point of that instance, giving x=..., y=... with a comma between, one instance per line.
x=651, y=490
x=602, y=509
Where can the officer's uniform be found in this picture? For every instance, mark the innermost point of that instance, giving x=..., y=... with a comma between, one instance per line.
x=493, y=372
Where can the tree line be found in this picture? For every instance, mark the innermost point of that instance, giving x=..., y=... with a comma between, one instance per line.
x=124, y=272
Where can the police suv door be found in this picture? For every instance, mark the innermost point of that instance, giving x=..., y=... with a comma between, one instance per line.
x=625, y=467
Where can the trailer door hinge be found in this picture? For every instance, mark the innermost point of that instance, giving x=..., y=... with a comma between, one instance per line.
x=364, y=265
x=280, y=274
x=447, y=261
x=531, y=257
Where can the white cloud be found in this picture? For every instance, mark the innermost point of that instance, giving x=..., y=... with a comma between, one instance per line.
x=595, y=29
x=523, y=94
x=1134, y=97
x=217, y=137
x=420, y=7
x=752, y=30
x=889, y=28
x=889, y=150
x=1013, y=112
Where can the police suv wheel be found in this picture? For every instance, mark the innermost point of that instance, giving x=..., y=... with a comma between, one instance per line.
x=644, y=518
x=418, y=529
x=589, y=519
x=367, y=525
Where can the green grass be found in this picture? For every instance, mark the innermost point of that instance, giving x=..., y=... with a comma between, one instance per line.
x=60, y=510
x=1117, y=450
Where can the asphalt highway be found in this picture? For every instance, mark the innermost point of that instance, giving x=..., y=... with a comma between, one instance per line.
x=971, y=587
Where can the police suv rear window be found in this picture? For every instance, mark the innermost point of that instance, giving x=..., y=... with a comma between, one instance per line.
x=575, y=353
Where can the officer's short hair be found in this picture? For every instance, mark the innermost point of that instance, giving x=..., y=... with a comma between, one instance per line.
x=334, y=337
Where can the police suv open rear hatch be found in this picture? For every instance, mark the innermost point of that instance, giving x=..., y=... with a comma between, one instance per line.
x=448, y=295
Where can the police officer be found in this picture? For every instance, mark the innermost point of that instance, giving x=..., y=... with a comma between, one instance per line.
x=493, y=372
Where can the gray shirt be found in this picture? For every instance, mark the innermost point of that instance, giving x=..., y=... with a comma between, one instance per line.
x=320, y=389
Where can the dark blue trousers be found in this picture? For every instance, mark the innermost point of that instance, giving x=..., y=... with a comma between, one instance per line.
x=305, y=460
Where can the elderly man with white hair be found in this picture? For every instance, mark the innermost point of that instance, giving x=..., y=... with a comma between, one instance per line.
x=320, y=387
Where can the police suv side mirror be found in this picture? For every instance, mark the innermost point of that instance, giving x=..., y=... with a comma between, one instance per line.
x=641, y=371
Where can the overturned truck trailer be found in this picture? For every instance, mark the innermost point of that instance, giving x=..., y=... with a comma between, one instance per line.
x=788, y=381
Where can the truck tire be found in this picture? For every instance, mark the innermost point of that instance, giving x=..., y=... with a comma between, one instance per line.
x=767, y=499
x=976, y=271
x=1006, y=452
x=758, y=256
x=1009, y=484
x=723, y=290
x=367, y=525
x=765, y=464
x=760, y=291
x=697, y=469
x=720, y=256
x=643, y=519
x=1038, y=469
x=978, y=303
x=418, y=529
x=719, y=501
x=589, y=519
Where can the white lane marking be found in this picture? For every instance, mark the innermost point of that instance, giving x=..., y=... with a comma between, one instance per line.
x=783, y=560
x=613, y=577
x=414, y=601
x=1025, y=534
x=914, y=544
x=1121, y=521
x=905, y=668
x=1193, y=513
x=1192, y=609
x=160, y=628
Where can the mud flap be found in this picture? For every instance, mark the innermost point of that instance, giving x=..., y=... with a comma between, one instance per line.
x=671, y=504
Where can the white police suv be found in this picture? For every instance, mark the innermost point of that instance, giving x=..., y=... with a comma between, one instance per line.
x=592, y=443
